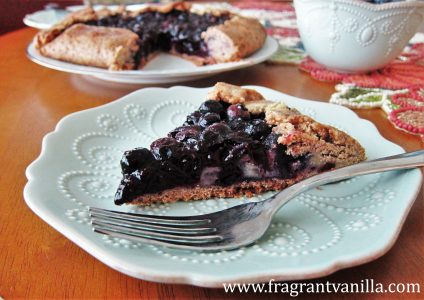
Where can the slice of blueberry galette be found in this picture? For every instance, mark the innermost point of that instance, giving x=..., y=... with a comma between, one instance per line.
x=127, y=40
x=236, y=143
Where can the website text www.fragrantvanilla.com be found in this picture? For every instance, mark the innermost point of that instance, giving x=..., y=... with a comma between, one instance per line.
x=365, y=286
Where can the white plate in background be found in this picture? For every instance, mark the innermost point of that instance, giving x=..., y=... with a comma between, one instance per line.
x=164, y=68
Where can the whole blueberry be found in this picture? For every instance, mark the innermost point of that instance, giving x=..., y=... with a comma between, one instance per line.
x=220, y=128
x=185, y=132
x=237, y=111
x=136, y=159
x=215, y=134
x=257, y=129
x=208, y=119
x=237, y=124
x=211, y=106
x=193, y=118
x=164, y=148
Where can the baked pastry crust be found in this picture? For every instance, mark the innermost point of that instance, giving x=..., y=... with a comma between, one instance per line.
x=112, y=48
x=46, y=36
x=244, y=188
x=326, y=146
x=233, y=94
x=238, y=37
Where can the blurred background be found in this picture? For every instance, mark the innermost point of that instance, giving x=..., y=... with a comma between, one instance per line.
x=13, y=11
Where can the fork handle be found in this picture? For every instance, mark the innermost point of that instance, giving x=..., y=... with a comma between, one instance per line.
x=407, y=160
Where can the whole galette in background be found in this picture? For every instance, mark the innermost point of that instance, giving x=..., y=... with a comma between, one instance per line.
x=127, y=40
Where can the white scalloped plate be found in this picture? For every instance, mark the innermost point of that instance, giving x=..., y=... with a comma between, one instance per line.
x=164, y=68
x=324, y=230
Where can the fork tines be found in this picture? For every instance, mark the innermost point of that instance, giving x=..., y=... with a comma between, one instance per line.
x=154, y=229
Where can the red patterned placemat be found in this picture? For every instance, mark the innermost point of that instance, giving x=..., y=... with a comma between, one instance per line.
x=405, y=72
x=404, y=77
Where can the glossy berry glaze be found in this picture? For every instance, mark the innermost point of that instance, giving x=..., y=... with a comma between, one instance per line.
x=176, y=30
x=382, y=1
x=219, y=144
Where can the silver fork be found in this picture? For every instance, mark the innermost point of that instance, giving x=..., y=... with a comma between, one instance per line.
x=234, y=227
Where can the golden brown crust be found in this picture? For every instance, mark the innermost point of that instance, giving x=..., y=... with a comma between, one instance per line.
x=257, y=107
x=233, y=94
x=106, y=12
x=112, y=48
x=81, y=16
x=238, y=37
x=245, y=188
x=302, y=135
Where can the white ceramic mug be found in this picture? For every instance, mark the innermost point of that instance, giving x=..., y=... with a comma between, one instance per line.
x=356, y=36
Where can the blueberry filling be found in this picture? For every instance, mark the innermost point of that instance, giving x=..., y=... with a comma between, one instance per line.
x=176, y=30
x=219, y=144
x=381, y=1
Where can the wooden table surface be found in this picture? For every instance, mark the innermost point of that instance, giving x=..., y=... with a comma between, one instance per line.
x=36, y=261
